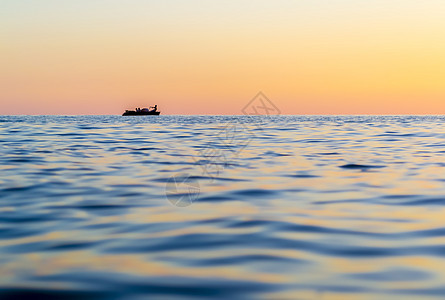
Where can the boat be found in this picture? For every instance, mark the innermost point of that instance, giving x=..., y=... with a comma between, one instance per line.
x=151, y=111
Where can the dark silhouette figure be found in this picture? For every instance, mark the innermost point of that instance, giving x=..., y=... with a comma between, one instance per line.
x=142, y=112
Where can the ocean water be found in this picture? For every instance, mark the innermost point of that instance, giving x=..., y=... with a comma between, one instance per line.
x=230, y=207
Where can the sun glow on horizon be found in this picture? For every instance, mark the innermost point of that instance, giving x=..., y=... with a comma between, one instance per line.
x=309, y=57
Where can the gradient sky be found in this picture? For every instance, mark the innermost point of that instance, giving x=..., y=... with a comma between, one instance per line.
x=212, y=57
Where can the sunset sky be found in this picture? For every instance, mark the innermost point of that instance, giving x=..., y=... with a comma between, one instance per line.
x=212, y=57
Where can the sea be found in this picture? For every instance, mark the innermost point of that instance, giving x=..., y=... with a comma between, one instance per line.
x=222, y=207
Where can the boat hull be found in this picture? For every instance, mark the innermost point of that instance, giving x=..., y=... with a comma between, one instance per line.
x=134, y=113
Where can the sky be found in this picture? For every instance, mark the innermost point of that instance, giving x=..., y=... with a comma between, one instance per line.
x=212, y=57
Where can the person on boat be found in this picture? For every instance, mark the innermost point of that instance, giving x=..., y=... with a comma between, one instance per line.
x=155, y=108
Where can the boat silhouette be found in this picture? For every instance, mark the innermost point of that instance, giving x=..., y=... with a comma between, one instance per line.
x=142, y=111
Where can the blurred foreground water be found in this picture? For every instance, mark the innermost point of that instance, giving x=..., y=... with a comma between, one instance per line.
x=197, y=207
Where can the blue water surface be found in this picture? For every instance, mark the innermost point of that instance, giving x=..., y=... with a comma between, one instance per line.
x=230, y=207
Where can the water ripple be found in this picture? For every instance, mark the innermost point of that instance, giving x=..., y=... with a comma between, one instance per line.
x=291, y=207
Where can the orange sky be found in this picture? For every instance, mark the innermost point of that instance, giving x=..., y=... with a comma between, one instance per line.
x=212, y=57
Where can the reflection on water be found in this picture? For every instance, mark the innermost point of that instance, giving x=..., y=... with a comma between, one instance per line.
x=287, y=208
